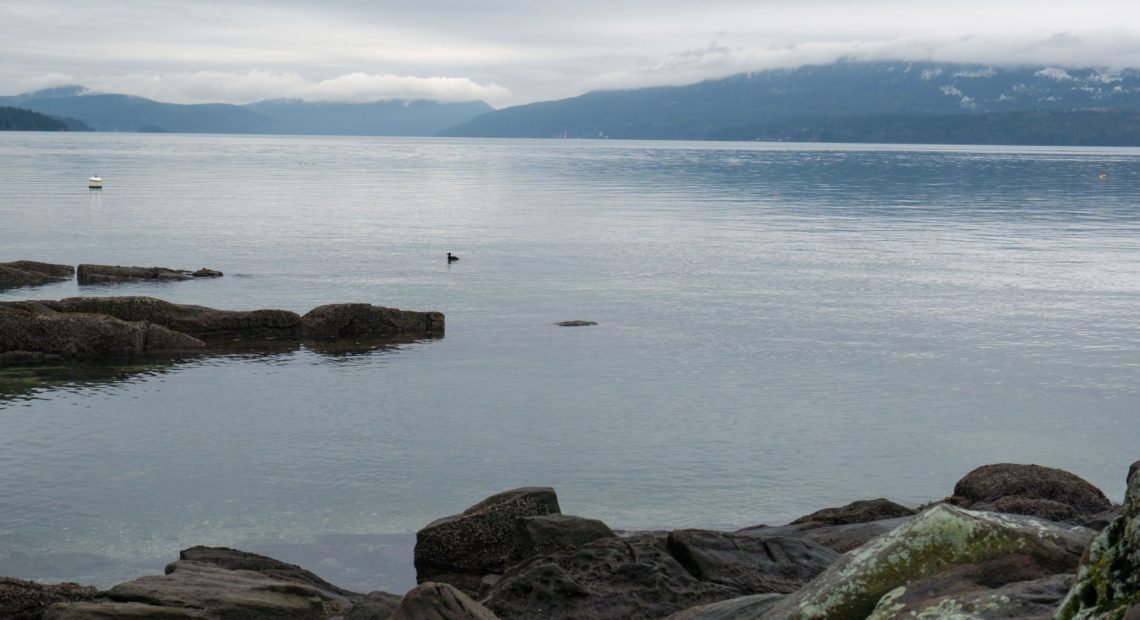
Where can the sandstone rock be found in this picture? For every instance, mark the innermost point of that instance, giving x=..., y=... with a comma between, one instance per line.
x=935, y=542
x=618, y=578
x=741, y=608
x=197, y=321
x=1108, y=583
x=575, y=323
x=750, y=564
x=967, y=596
x=862, y=511
x=232, y=559
x=546, y=534
x=991, y=483
x=462, y=548
x=374, y=606
x=27, y=600
x=839, y=538
x=221, y=593
x=439, y=601
x=368, y=321
x=31, y=273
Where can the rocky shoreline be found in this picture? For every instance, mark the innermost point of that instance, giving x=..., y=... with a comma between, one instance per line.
x=1012, y=541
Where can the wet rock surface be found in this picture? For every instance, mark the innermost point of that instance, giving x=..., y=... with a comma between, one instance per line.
x=368, y=321
x=27, y=600
x=546, y=534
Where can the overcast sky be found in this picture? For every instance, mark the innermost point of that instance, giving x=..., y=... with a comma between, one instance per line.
x=508, y=52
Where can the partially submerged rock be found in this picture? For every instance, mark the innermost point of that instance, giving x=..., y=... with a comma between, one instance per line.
x=935, y=542
x=461, y=549
x=368, y=321
x=32, y=273
x=111, y=274
x=95, y=327
x=576, y=323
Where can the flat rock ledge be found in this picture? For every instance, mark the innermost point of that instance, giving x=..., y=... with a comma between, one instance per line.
x=515, y=556
x=32, y=273
x=81, y=328
x=112, y=274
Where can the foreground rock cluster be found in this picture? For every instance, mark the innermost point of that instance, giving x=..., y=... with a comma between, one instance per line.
x=31, y=273
x=98, y=327
x=514, y=555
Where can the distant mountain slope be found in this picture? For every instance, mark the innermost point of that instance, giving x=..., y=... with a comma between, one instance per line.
x=20, y=119
x=804, y=102
x=109, y=112
x=380, y=118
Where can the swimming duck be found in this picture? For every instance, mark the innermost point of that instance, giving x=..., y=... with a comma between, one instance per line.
x=451, y=258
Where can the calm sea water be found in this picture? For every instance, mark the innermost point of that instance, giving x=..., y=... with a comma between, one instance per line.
x=781, y=328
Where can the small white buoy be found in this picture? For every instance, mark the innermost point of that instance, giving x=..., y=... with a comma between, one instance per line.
x=95, y=182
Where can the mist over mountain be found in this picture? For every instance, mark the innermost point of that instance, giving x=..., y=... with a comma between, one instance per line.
x=113, y=112
x=848, y=101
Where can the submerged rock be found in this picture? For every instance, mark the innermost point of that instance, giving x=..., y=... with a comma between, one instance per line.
x=576, y=323
x=936, y=542
x=461, y=549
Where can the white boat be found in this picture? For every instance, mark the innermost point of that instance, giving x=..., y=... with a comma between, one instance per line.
x=95, y=182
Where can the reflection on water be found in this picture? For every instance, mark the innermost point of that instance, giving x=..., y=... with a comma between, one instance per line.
x=37, y=380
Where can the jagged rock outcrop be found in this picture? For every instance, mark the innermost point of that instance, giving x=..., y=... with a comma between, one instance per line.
x=439, y=601
x=199, y=590
x=461, y=549
x=1108, y=584
x=368, y=321
x=1032, y=490
x=935, y=544
x=110, y=274
x=27, y=600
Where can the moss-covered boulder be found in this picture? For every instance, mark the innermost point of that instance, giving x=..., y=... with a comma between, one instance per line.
x=933, y=542
x=1108, y=584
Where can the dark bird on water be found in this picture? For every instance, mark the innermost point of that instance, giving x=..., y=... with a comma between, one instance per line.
x=451, y=258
